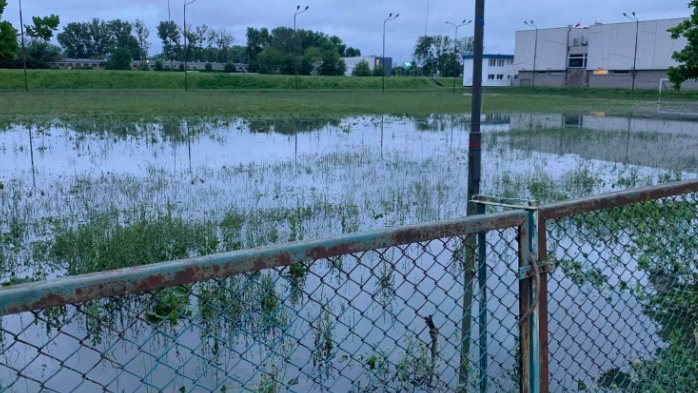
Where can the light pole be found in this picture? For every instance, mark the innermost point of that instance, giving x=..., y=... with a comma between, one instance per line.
x=24, y=48
x=388, y=19
x=186, y=45
x=455, y=48
x=535, y=51
x=632, y=16
x=295, y=42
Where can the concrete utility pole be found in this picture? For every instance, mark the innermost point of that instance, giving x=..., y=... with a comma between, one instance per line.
x=295, y=43
x=637, y=30
x=186, y=46
x=455, y=48
x=535, y=51
x=388, y=19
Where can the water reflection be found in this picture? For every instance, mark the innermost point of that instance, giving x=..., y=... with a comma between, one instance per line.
x=107, y=196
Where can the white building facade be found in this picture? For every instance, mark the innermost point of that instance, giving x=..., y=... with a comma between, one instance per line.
x=598, y=56
x=497, y=70
x=373, y=62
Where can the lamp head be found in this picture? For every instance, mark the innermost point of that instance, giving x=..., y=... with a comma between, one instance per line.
x=298, y=7
x=306, y=8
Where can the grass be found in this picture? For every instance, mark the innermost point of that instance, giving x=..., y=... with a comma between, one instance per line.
x=142, y=104
x=101, y=79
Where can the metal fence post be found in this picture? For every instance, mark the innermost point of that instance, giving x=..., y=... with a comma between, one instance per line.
x=542, y=252
x=529, y=286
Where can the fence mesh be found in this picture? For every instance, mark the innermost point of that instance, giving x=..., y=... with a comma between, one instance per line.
x=382, y=320
x=623, y=301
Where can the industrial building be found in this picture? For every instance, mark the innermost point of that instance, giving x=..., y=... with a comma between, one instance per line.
x=373, y=62
x=634, y=54
x=497, y=70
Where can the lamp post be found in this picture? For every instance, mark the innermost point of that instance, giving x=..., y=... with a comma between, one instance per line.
x=186, y=45
x=24, y=48
x=455, y=47
x=388, y=19
x=632, y=16
x=535, y=51
x=295, y=42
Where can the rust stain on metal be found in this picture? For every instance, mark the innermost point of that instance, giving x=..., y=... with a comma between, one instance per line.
x=48, y=300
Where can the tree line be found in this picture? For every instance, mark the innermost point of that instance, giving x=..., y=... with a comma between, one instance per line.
x=281, y=50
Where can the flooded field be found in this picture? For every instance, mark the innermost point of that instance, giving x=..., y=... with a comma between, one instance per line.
x=83, y=197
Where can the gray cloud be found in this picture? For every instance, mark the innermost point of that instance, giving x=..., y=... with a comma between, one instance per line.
x=359, y=22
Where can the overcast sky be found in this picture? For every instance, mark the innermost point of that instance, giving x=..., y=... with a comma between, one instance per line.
x=359, y=22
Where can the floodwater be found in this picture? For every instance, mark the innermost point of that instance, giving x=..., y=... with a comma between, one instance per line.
x=293, y=179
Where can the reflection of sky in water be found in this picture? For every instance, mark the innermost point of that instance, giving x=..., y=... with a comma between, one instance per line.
x=406, y=171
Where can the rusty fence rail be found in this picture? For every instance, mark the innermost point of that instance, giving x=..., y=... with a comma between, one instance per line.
x=596, y=294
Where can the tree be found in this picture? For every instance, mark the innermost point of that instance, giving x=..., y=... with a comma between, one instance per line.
x=361, y=69
x=8, y=37
x=257, y=40
x=283, y=49
x=40, y=54
x=119, y=59
x=378, y=71
x=429, y=53
x=332, y=64
x=352, y=52
x=43, y=28
x=168, y=32
x=688, y=56
x=97, y=38
x=142, y=34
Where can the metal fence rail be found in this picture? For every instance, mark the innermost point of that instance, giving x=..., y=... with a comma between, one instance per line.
x=379, y=311
x=597, y=294
x=623, y=300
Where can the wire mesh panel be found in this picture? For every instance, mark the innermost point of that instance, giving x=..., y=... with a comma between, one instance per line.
x=623, y=300
x=386, y=319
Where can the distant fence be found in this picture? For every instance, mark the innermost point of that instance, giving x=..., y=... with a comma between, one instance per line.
x=596, y=294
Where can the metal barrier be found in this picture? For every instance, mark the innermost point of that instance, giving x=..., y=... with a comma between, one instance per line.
x=597, y=294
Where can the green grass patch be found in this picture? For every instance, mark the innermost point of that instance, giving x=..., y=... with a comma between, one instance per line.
x=147, y=104
x=102, y=79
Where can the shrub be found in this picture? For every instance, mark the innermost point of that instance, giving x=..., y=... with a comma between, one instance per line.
x=361, y=69
x=158, y=65
x=229, y=67
x=208, y=67
x=119, y=59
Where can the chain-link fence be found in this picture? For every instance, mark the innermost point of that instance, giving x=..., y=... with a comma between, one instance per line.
x=446, y=306
x=623, y=300
x=372, y=312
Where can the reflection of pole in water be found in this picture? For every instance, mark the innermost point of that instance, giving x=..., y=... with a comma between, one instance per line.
x=382, y=119
x=627, y=140
x=191, y=172
x=295, y=147
x=31, y=155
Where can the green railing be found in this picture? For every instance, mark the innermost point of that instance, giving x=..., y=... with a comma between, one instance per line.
x=597, y=294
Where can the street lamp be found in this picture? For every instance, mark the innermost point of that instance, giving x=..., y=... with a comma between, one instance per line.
x=632, y=16
x=295, y=41
x=186, y=46
x=24, y=48
x=535, y=51
x=455, y=47
x=388, y=19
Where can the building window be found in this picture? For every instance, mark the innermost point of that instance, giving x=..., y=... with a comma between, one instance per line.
x=500, y=77
x=577, y=61
x=492, y=62
x=490, y=77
